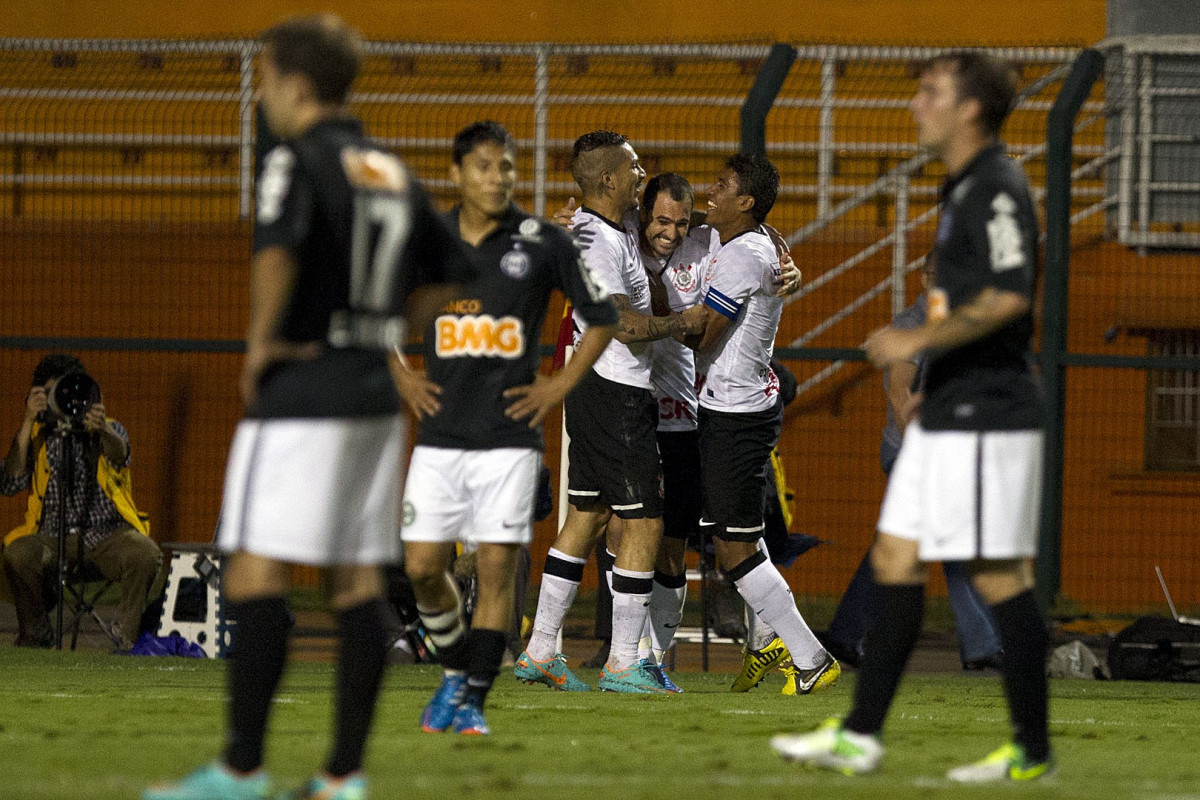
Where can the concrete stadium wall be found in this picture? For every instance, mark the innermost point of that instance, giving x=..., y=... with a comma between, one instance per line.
x=1127, y=17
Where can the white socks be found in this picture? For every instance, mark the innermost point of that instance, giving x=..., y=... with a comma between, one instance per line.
x=767, y=593
x=560, y=581
x=631, y=607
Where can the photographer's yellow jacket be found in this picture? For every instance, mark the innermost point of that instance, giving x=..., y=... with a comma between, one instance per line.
x=116, y=483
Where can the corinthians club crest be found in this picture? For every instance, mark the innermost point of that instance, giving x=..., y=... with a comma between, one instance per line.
x=684, y=277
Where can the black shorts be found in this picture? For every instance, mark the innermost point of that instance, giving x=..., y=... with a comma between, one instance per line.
x=734, y=460
x=681, y=482
x=613, y=451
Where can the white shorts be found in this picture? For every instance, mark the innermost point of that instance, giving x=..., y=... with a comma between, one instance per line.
x=472, y=496
x=314, y=491
x=963, y=495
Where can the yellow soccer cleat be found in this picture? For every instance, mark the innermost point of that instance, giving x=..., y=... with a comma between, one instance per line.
x=807, y=681
x=757, y=663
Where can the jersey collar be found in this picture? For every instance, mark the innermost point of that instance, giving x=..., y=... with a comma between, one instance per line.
x=987, y=153
x=509, y=221
x=347, y=124
x=603, y=219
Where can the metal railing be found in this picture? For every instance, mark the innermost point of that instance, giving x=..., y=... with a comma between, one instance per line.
x=546, y=91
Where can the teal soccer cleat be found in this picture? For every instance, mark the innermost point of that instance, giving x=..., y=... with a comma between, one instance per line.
x=324, y=787
x=634, y=679
x=213, y=782
x=554, y=673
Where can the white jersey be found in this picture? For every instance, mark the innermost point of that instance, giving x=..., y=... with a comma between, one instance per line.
x=740, y=283
x=673, y=369
x=612, y=255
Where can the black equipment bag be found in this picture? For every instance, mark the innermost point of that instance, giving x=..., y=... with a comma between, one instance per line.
x=1156, y=649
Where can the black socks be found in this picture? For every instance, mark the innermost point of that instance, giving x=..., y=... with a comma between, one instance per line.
x=899, y=613
x=257, y=656
x=1024, y=637
x=362, y=654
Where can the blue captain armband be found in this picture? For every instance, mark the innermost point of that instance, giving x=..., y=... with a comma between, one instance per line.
x=725, y=306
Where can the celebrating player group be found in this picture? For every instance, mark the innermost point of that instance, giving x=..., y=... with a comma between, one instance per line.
x=670, y=402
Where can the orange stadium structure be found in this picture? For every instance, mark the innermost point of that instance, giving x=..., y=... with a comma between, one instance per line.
x=123, y=216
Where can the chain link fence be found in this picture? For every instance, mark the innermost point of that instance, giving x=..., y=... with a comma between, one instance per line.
x=126, y=176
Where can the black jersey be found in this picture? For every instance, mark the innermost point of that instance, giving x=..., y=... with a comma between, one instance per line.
x=987, y=236
x=359, y=253
x=487, y=341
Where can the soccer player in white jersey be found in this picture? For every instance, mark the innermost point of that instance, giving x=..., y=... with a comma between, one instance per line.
x=614, y=463
x=740, y=411
x=675, y=261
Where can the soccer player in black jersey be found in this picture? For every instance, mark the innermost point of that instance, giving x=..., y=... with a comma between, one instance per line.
x=473, y=475
x=967, y=483
x=348, y=248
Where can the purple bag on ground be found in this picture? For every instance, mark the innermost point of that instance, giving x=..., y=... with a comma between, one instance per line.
x=174, y=645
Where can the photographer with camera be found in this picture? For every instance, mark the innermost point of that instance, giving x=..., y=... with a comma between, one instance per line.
x=88, y=497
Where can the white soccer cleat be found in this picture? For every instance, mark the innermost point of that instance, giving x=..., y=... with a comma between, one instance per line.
x=1008, y=763
x=831, y=747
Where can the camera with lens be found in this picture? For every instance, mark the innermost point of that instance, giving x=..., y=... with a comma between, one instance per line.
x=72, y=396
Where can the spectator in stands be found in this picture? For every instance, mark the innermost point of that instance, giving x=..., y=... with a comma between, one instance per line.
x=98, y=512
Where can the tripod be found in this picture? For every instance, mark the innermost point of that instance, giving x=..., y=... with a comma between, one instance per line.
x=69, y=436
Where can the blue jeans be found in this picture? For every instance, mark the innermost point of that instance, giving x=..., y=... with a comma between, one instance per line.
x=977, y=637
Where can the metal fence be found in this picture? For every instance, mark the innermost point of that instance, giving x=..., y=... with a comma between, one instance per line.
x=126, y=174
x=1121, y=326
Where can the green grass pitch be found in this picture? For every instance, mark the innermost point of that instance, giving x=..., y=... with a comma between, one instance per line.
x=96, y=726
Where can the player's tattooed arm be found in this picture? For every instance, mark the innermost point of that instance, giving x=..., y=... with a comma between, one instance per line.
x=633, y=326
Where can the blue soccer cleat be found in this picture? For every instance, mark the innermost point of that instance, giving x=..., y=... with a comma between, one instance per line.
x=660, y=674
x=469, y=721
x=439, y=713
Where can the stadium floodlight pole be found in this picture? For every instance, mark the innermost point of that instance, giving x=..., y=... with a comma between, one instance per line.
x=1060, y=131
x=761, y=98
